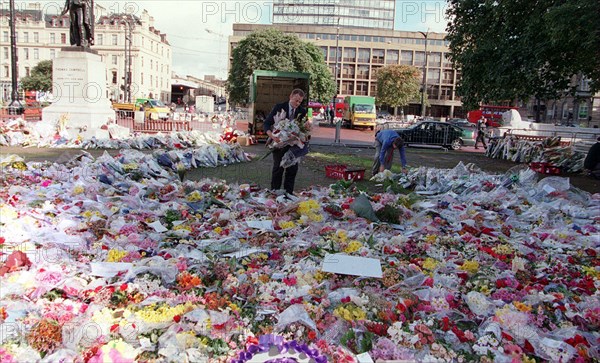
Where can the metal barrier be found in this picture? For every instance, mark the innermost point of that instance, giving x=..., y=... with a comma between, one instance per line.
x=28, y=114
x=580, y=140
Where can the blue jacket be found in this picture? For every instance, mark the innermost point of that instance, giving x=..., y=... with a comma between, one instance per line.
x=386, y=138
x=270, y=121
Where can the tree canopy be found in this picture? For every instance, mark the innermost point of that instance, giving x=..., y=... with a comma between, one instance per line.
x=272, y=50
x=517, y=49
x=397, y=85
x=40, y=78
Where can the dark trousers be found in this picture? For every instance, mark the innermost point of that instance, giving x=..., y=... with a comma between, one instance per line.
x=278, y=171
x=480, y=138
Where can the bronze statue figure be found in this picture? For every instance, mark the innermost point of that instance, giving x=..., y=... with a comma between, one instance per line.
x=81, y=17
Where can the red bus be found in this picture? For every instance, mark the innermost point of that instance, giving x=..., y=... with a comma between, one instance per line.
x=493, y=114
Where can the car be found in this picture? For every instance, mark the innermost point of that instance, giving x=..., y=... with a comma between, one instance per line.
x=460, y=122
x=434, y=133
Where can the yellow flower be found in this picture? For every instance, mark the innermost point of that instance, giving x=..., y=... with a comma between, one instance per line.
x=218, y=230
x=342, y=235
x=163, y=313
x=79, y=189
x=315, y=217
x=430, y=264
x=350, y=313
x=431, y=238
x=353, y=246
x=522, y=307
x=234, y=307
x=590, y=271
x=286, y=224
x=194, y=196
x=307, y=206
x=471, y=266
x=115, y=255
x=503, y=249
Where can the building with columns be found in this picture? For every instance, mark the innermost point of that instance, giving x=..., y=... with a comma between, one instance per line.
x=126, y=42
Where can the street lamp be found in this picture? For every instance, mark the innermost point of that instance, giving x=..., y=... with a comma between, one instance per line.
x=15, y=106
x=127, y=21
x=424, y=85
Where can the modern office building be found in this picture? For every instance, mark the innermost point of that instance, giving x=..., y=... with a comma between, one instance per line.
x=125, y=43
x=377, y=14
x=361, y=52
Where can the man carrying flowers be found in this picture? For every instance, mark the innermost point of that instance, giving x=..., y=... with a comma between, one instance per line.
x=286, y=130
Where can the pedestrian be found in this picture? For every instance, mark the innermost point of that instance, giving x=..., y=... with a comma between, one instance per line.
x=481, y=126
x=592, y=160
x=293, y=110
x=386, y=141
x=331, y=115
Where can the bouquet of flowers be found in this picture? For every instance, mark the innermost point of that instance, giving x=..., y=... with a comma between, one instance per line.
x=294, y=133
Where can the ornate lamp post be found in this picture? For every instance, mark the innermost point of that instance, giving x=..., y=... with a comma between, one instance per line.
x=15, y=106
x=128, y=40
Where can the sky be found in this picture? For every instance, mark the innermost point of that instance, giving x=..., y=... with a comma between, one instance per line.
x=198, y=30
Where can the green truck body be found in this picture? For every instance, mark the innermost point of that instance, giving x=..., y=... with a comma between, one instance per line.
x=268, y=88
x=359, y=111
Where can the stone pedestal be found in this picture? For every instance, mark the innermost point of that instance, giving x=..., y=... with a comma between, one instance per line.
x=79, y=92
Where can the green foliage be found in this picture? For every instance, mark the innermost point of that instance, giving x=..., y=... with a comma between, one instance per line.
x=389, y=214
x=40, y=78
x=511, y=50
x=272, y=50
x=397, y=85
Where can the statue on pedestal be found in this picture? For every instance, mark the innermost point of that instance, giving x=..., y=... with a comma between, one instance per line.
x=81, y=16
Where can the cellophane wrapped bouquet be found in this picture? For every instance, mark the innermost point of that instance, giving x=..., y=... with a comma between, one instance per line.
x=292, y=133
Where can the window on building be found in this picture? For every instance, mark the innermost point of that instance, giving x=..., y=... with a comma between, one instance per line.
x=26, y=53
x=446, y=93
x=27, y=72
x=348, y=71
x=583, y=110
x=406, y=57
x=99, y=39
x=324, y=51
x=151, y=65
x=5, y=36
x=332, y=54
x=142, y=60
x=114, y=39
x=114, y=59
x=63, y=38
x=348, y=87
x=142, y=78
x=419, y=58
x=432, y=92
x=151, y=80
x=349, y=55
x=447, y=63
x=6, y=73
x=36, y=37
x=362, y=88
x=392, y=56
x=114, y=77
x=433, y=76
x=25, y=37
x=52, y=53
x=364, y=55
x=448, y=77
x=362, y=71
x=52, y=38
x=434, y=59
x=5, y=52
x=36, y=53
x=378, y=56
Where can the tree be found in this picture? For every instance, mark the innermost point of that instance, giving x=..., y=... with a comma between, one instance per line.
x=510, y=50
x=397, y=85
x=272, y=50
x=40, y=78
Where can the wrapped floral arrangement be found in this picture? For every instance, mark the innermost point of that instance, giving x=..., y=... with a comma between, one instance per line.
x=294, y=133
x=477, y=268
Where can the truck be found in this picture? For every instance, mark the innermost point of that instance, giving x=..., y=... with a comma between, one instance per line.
x=205, y=104
x=268, y=88
x=153, y=109
x=359, y=111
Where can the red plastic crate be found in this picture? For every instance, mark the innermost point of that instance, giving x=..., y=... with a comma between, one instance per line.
x=545, y=168
x=342, y=172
